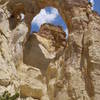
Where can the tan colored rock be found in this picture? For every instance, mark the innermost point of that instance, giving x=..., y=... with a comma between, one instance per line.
x=31, y=82
x=34, y=89
x=41, y=50
x=45, y=67
x=4, y=78
x=30, y=98
x=25, y=72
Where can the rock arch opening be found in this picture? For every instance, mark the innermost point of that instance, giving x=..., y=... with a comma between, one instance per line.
x=48, y=23
x=48, y=15
x=31, y=8
x=15, y=10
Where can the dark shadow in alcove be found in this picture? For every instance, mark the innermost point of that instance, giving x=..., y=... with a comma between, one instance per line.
x=12, y=22
x=32, y=55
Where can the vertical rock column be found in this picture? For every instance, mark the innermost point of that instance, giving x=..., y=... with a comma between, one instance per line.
x=76, y=57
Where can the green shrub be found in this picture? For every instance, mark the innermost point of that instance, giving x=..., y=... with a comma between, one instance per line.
x=7, y=96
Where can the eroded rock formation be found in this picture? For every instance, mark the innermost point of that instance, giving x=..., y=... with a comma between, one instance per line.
x=44, y=65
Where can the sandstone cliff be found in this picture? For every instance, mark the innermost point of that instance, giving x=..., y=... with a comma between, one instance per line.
x=44, y=65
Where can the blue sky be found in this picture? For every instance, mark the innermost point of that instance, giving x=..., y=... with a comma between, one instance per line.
x=48, y=15
x=96, y=5
x=52, y=16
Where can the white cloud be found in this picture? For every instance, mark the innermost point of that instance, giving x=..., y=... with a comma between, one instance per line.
x=22, y=16
x=92, y=2
x=66, y=31
x=44, y=17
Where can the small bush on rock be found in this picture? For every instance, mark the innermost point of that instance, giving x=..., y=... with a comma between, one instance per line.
x=7, y=96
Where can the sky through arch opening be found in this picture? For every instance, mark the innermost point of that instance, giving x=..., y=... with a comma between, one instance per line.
x=48, y=15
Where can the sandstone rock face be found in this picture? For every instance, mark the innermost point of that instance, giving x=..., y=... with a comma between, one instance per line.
x=44, y=65
x=31, y=81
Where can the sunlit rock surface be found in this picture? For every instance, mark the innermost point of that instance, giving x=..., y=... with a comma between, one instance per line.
x=44, y=65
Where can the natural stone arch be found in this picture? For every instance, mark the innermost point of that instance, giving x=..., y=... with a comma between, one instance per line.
x=65, y=9
x=32, y=7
